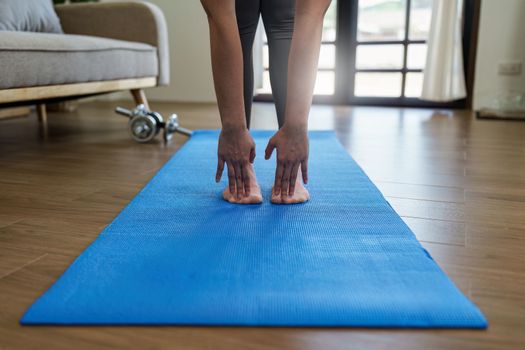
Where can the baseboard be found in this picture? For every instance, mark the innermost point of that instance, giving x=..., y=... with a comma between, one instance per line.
x=14, y=112
x=488, y=113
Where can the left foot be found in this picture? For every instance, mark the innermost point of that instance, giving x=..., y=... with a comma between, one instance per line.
x=300, y=194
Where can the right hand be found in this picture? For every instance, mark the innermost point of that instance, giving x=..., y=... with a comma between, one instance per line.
x=237, y=150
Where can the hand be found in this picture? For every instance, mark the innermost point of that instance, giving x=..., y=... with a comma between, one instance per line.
x=292, y=152
x=237, y=150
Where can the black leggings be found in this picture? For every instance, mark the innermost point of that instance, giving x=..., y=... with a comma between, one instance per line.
x=278, y=19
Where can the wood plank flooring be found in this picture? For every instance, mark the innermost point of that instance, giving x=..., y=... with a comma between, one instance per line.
x=459, y=183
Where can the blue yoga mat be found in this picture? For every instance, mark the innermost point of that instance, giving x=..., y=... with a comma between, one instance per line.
x=180, y=255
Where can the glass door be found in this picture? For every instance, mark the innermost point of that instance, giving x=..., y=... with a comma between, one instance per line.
x=326, y=71
x=374, y=51
x=382, y=48
x=391, y=47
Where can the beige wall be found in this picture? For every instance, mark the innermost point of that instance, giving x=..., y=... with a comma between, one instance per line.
x=191, y=78
x=501, y=39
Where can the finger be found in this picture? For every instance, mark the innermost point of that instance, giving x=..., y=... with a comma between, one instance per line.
x=278, y=177
x=231, y=177
x=285, y=181
x=220, y=169
x=252, y=155
x=269, y=150
x=304, y=170
x=238, y=180
x=293, y=178
x=246, y=179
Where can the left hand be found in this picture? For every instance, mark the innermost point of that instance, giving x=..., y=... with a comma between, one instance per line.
x=292, y=152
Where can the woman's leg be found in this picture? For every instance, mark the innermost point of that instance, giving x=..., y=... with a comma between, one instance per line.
x=247, y=12
x=278, y=17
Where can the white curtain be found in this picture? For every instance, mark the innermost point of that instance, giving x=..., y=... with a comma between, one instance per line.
x=444, y=78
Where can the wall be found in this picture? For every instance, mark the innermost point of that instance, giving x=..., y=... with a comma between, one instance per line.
x=191, y=77
x=501, y=39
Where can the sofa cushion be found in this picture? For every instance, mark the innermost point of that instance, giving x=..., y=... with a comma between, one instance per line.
x=37, y=59
x=29, y=16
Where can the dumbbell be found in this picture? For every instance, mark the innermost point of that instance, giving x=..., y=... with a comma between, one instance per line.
x=144, y=124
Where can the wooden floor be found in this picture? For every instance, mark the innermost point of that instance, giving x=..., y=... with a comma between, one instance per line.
x=459, y=184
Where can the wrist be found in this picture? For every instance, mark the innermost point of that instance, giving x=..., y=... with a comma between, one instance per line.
x=296, y=127
x=233, y=127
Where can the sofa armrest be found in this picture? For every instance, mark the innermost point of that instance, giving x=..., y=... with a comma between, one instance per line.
x=131, y=21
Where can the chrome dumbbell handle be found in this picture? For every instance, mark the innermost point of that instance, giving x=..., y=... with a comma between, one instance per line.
x=124, y=111
x=139, y=110
x=185, y=131
x=170, y=131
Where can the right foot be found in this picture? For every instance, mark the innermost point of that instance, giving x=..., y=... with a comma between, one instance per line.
x=255, y=196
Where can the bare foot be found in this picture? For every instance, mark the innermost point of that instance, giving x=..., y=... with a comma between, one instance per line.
x=255, y=196
x=300, y=195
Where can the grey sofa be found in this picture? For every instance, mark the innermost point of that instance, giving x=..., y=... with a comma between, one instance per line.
x=105, y=47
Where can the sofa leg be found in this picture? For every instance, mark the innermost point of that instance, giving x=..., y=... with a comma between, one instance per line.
x=41, y=112
x=140, y=97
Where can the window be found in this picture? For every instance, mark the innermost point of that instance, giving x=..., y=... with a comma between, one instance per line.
x=391, y=47
x=325, y=83
x=374, y=51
